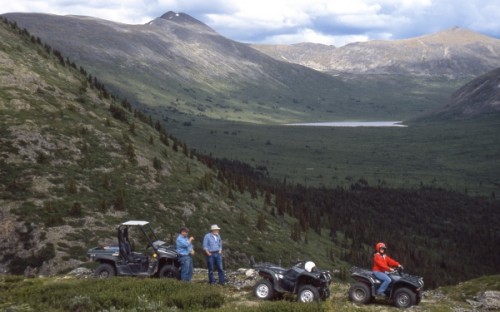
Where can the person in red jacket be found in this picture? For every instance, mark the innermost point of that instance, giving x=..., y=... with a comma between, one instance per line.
x=382, y=263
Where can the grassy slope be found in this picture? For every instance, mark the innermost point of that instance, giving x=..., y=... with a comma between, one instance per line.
x=365, y=98
x=60, y=146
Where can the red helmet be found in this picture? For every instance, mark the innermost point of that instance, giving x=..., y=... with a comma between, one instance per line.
x=380, y=246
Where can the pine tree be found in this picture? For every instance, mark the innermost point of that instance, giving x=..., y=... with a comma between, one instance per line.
x=261, y=222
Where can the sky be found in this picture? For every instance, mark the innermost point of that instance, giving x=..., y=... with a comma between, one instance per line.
x=331, y=22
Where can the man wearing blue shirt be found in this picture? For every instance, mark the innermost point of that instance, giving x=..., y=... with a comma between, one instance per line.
x=212, y=245
x=185, y=250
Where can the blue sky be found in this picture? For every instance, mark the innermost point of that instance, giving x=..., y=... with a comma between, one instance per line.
x=334, y=22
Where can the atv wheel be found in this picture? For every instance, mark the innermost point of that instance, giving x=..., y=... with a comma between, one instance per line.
x=360, y=293
x=105, y=270
x=308, y=293
x=168, y=271
x=404, y=298
x=263, y=289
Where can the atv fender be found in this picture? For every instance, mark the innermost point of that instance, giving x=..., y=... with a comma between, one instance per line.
x=405, y=283
x=273, y=277
x=304, y=279
x=105, y=258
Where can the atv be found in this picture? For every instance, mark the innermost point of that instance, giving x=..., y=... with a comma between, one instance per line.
x=303, y=279
x=158, y=260
x=404, y=290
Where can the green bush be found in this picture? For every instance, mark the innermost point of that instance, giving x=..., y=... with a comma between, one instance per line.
x=18, y=265
x=281, y=306
x=130, y=294
x=202, y=298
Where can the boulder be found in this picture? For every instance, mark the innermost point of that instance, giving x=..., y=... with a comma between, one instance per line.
x=490, y=300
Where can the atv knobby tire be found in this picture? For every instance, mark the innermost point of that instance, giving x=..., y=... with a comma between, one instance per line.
x=168, y=271
x=105, y=270
x=360, y=293
x=308, y=293
x=263, y=289
x=404, y=298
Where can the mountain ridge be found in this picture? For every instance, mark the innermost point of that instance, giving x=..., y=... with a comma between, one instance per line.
x=193, y=63
x=479, y=97
x=447, y=52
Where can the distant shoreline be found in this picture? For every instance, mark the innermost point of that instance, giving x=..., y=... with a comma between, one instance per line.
x=352, y=124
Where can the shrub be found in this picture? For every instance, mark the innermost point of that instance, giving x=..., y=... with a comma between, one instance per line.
x=118, y=113
x=123, y=294
x=76, y=210
x=201, y=298
x=281, y=306
x=18, y=265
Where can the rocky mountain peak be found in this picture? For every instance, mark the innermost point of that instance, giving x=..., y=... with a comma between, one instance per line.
x=454, y=36
x=181, y=18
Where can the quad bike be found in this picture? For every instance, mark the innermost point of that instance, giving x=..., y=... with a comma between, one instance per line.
x=303, y=279
x=404, y=290
x=160, y=259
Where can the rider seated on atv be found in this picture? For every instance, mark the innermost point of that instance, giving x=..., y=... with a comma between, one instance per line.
x=382, y=263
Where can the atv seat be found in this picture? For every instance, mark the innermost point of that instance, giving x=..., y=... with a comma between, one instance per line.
x=365, y=273
x=292, y=273
x=278, y=269
x=132, y=256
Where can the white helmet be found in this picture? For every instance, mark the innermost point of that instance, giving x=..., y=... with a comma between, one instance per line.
x=309, y=266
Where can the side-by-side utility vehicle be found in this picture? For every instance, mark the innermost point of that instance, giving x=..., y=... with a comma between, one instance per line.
x=157, y=260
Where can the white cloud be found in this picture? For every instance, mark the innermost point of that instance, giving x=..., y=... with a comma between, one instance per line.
x=309, y=35
x=323, y=21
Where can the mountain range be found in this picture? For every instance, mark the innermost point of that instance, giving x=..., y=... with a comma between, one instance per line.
x=452, y=53
x=175, y=63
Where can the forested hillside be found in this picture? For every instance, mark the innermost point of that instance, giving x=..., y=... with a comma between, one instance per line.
x=432, y=231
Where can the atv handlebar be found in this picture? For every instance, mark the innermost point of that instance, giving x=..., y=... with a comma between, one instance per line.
x=398, y=270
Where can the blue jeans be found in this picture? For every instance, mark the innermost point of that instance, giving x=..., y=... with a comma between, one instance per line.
x=386, y=280
x=215, y=259
x=186, y=267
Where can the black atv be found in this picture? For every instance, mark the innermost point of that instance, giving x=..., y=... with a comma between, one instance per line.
x=158, y=260
x=404, y=290
x=303, y=279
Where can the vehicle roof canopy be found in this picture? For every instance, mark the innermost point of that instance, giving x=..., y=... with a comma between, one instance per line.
x=135, y=222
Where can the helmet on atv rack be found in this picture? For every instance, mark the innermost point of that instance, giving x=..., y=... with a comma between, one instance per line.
x=309, y=266
x=380, y=246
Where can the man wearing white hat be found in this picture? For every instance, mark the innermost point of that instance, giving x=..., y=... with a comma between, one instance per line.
x=212, y=245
